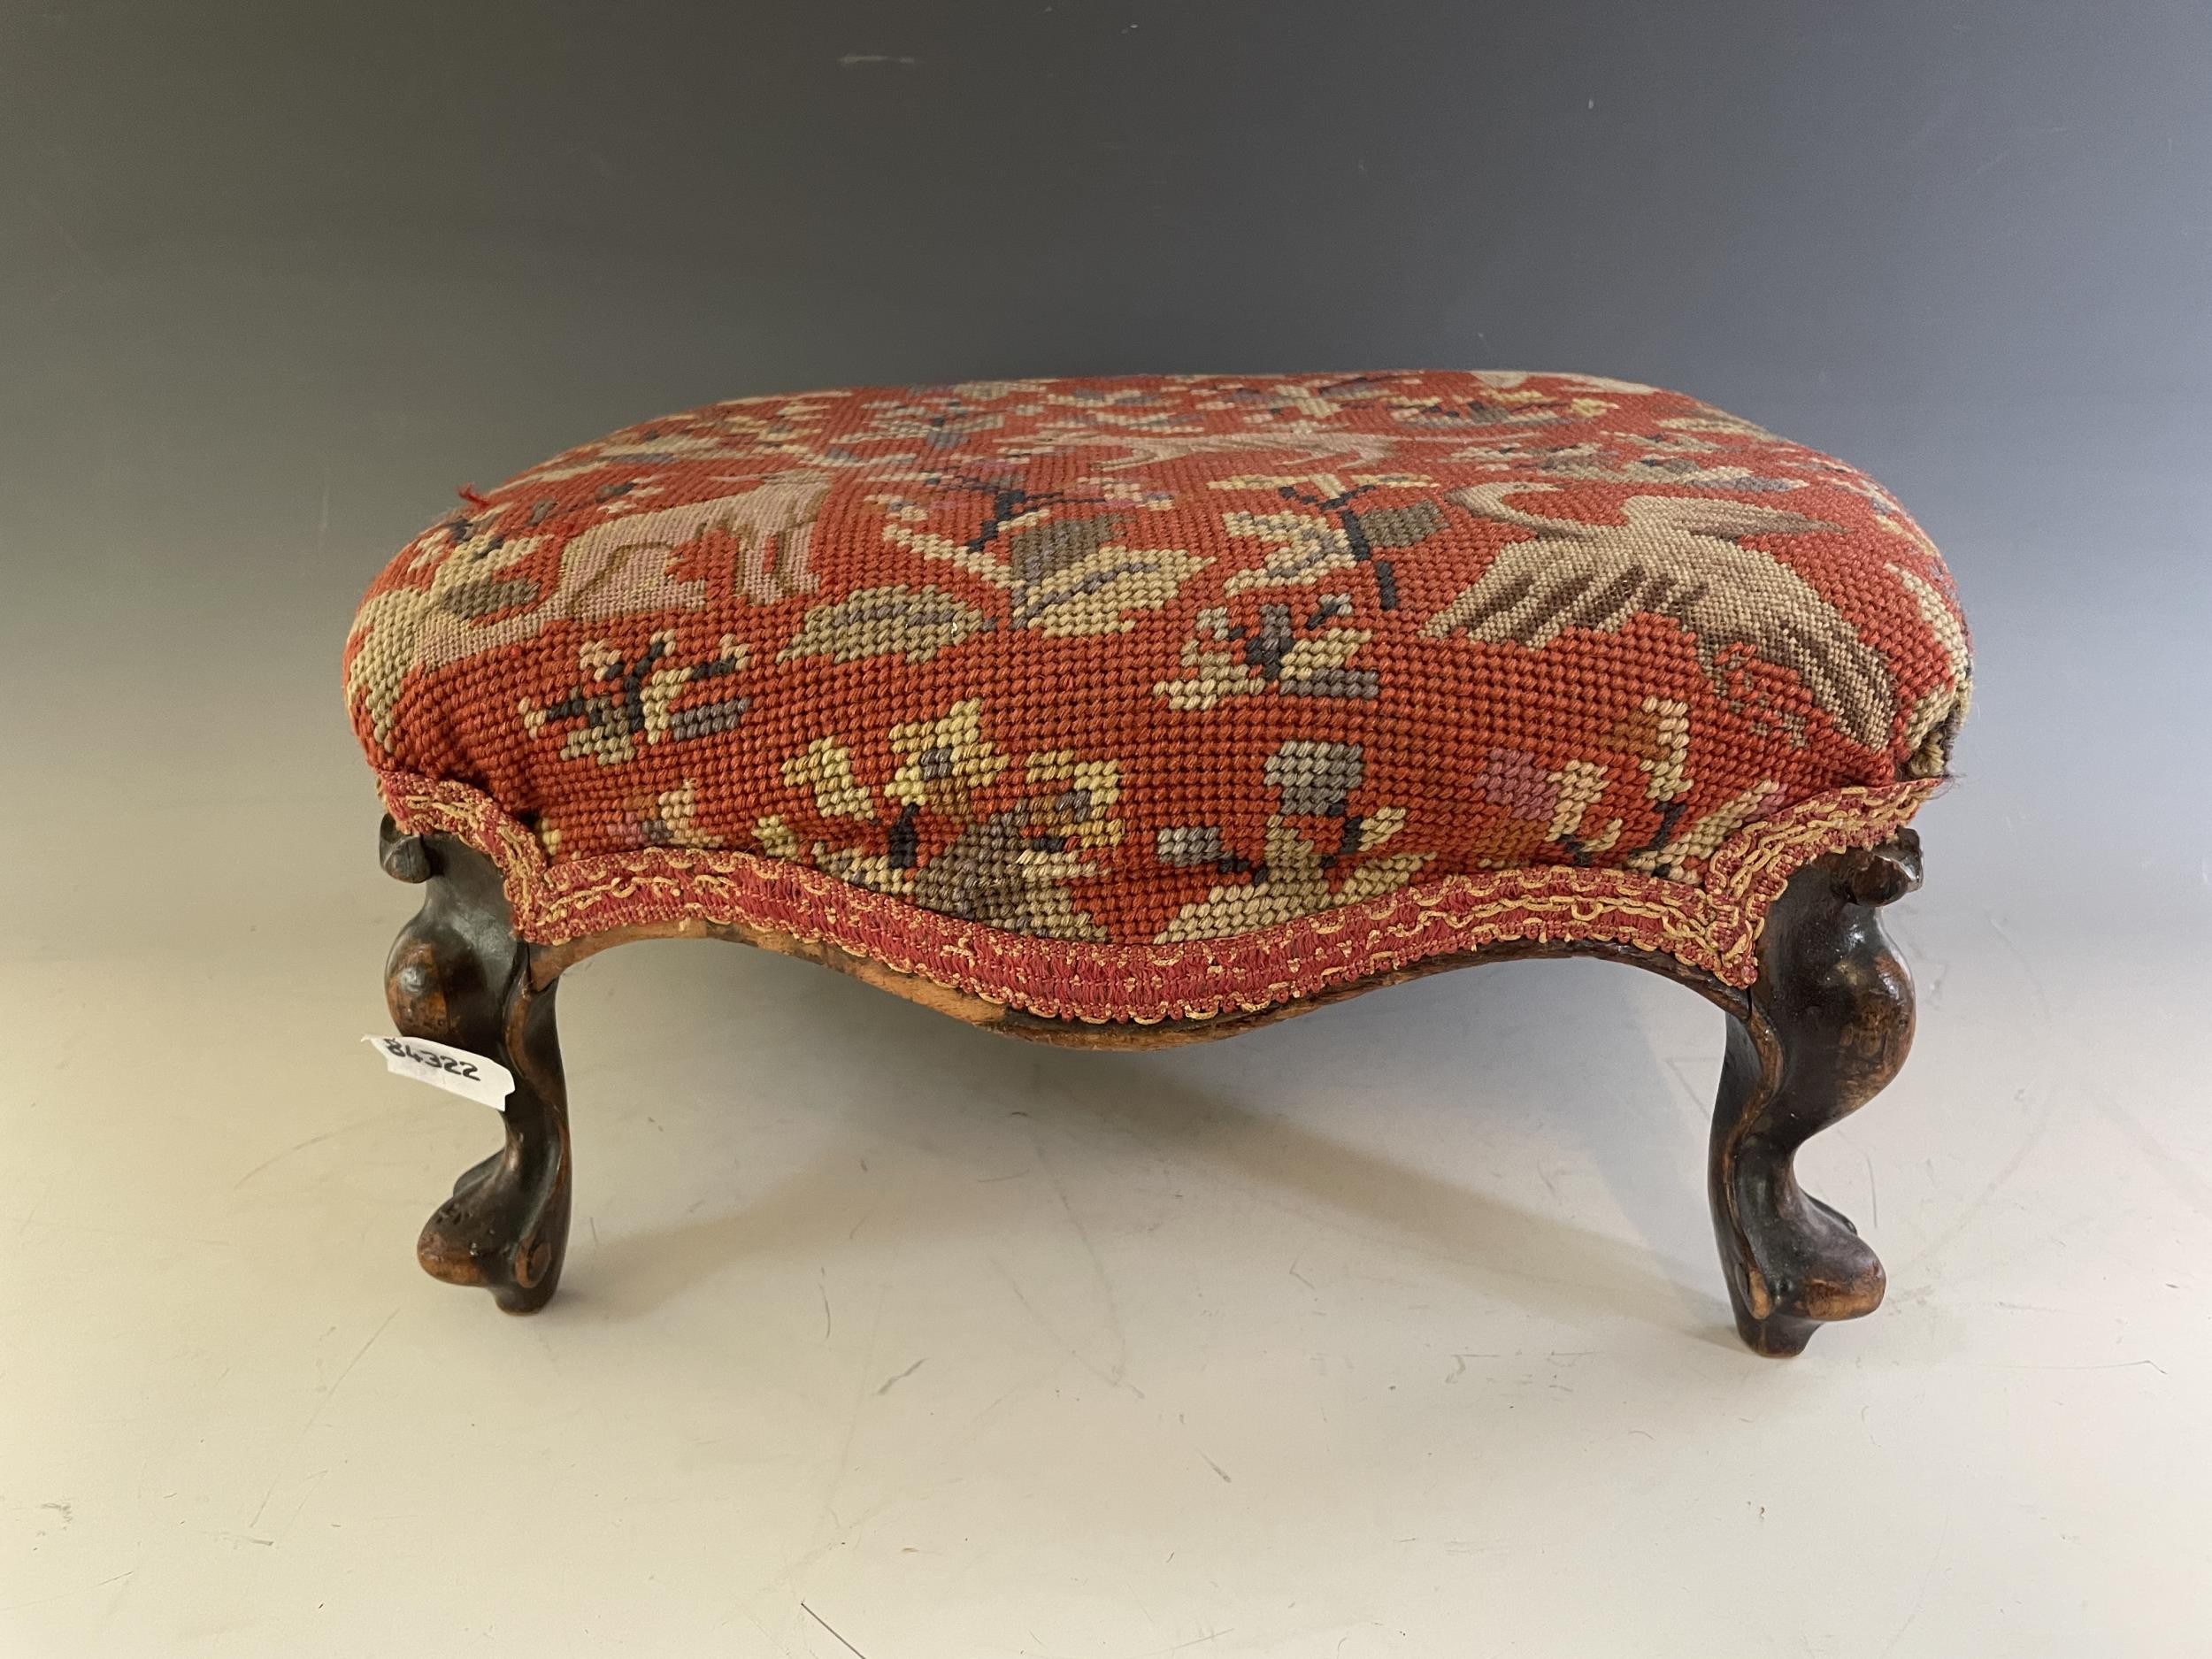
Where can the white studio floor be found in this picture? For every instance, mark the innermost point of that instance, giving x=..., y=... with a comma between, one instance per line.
x=1394, y=1330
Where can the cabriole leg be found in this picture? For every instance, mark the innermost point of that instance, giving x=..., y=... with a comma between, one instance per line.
x=1830, y=1023
x=458, y=975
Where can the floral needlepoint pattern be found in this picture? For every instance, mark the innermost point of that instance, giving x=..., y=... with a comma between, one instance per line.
x=945, y=834
x=622, y=704
x=1203, y=669
x=1317, y=849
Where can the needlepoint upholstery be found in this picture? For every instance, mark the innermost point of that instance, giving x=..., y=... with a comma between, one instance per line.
x=1149, y=697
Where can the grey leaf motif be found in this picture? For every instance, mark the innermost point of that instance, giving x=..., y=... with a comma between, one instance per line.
x=1037, y=552
x=912, y=623
x=1674, y=556
x=488, y=598
x=1395, y=527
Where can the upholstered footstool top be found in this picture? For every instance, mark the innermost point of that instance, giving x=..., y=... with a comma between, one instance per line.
x=972, y=678
x=1158, y=701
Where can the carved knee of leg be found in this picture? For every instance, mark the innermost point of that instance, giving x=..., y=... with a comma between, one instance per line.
x=435, y=986
x=449, y=969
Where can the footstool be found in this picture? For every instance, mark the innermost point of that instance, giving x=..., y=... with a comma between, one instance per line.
x=1128, y=712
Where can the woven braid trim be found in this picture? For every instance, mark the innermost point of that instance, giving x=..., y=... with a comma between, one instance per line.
x=1715, y=927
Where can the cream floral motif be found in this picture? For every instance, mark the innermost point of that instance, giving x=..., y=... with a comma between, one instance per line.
x=622, y=705
x=1332, y=524
x=1553, y=807
x=1300, y=650
x=1009, y=866
x=1066, y=566
x=670, y=818
x=1319, y=855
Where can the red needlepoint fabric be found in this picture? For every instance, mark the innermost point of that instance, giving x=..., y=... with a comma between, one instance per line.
x=1148, y=697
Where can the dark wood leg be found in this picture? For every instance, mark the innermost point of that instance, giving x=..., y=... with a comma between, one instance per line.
x=1830, y=1023
x=458, y=975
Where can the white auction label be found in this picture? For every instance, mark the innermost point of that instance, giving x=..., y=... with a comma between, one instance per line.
x=455, y=1070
